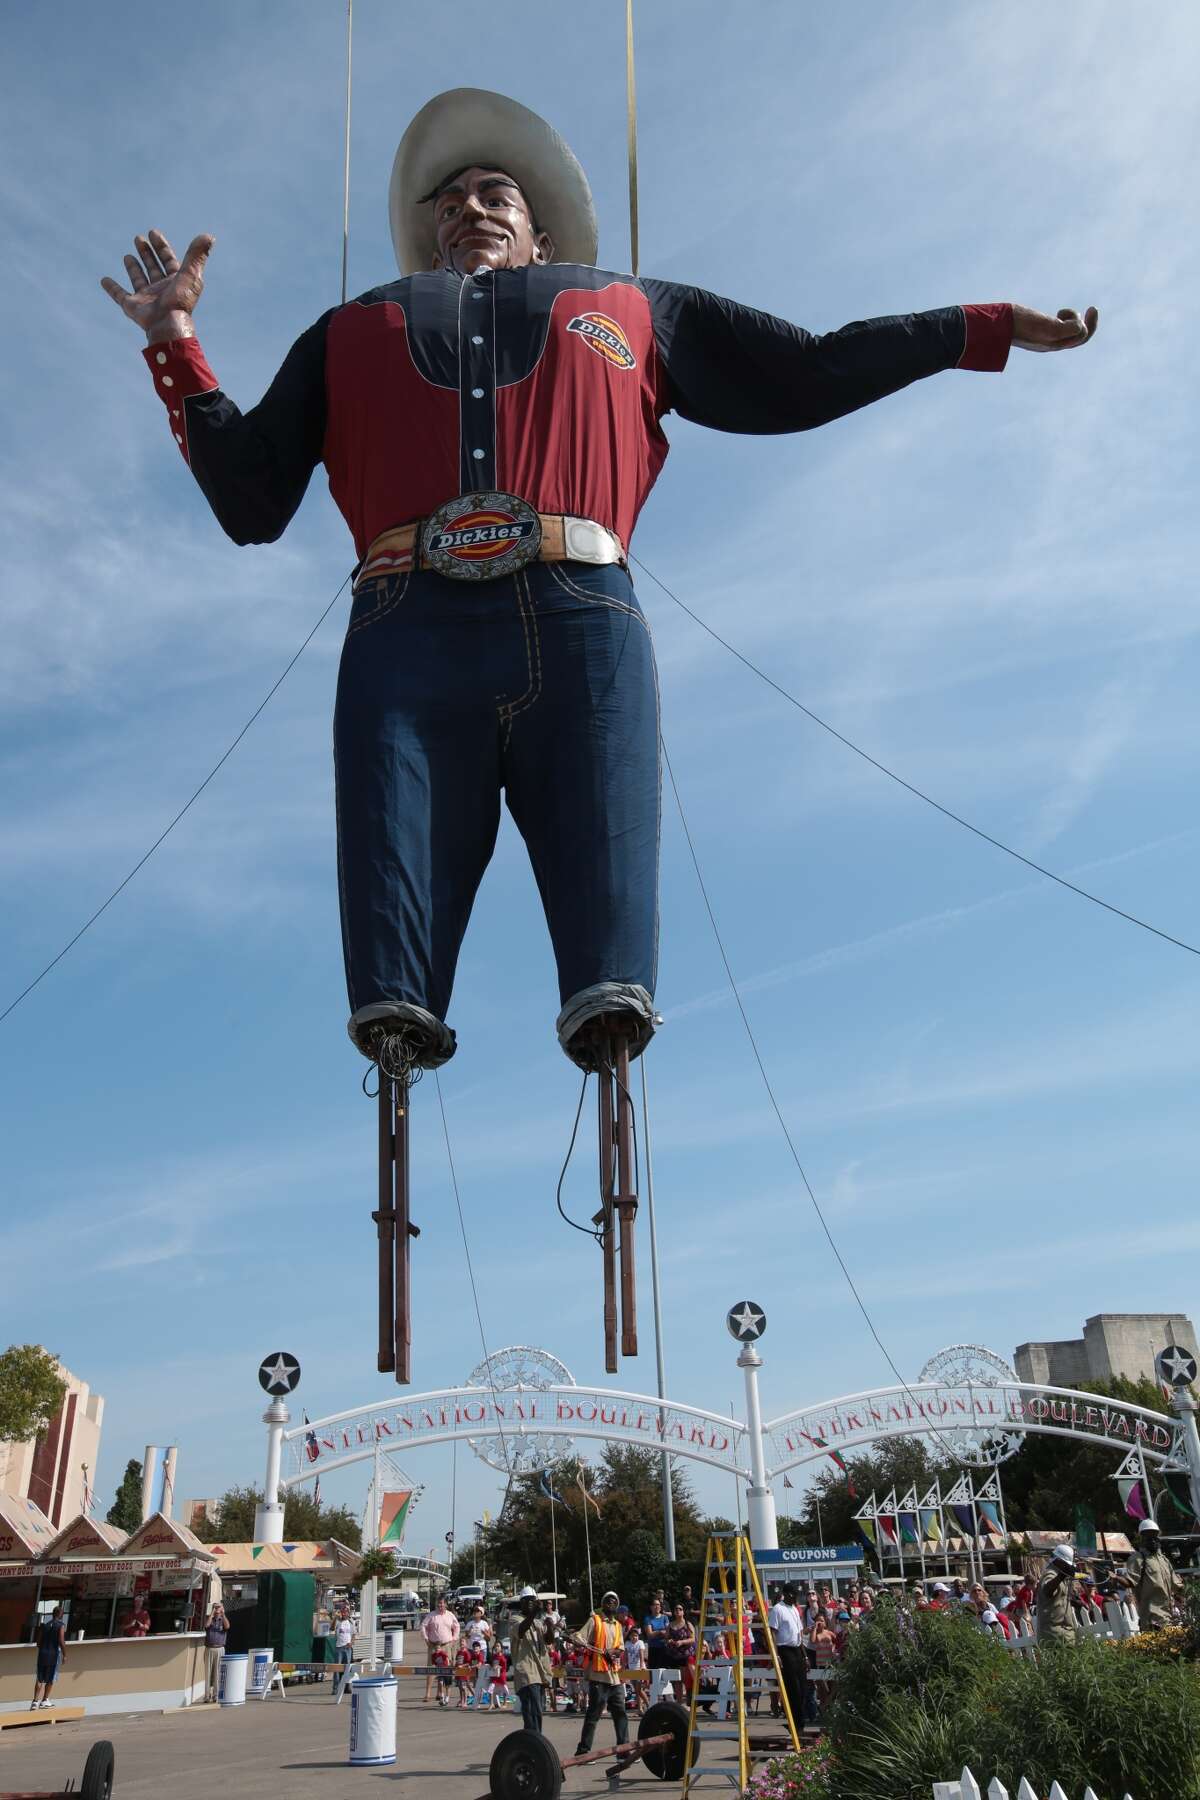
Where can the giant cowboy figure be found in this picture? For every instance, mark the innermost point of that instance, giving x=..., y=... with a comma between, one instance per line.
x=491, y=425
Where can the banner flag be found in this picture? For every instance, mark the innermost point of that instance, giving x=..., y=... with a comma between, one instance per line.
x=990, y=1518
x=1132, y=1498
x=393, y=1515
x=931, y=1525
x=545, y=1487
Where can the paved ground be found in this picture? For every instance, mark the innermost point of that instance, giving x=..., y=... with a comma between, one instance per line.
x=290, y=1750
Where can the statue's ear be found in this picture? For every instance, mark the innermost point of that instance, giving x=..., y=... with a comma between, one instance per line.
x=543, y=248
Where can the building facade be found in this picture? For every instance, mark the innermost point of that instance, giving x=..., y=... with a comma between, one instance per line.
x=1112, y=1344
x=58, y=1470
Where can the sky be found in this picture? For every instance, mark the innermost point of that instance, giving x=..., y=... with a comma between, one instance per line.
x=988, y=582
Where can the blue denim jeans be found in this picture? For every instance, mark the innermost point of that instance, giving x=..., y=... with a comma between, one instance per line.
x=541, y=685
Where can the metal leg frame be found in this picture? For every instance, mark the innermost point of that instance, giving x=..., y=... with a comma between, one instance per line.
x=395, y=1229
x=618, y=1201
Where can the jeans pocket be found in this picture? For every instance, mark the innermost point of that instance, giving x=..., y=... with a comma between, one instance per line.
x=375, y=598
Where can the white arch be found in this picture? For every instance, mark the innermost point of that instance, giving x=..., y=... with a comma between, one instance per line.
x=565, y=1410
x=935, y=1409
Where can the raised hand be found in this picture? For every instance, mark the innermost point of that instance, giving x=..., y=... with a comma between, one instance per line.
x=165, y=290
x=1038, y=331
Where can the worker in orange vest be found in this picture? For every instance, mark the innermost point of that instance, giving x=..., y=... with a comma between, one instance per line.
x=603, y=1642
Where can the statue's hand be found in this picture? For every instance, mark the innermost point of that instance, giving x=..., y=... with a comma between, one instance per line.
x=165, y=290
x=1066, y=331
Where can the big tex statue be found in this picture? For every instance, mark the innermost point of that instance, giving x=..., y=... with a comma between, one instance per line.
x=491, y=424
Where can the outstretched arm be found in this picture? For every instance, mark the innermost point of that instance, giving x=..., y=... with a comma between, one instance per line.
x=725, y=365
x=254, y=467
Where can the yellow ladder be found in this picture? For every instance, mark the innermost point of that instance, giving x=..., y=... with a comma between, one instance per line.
x=728, y=1557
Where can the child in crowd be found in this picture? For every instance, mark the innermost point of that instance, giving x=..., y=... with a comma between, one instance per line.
x=445, y=1675
x=499, y=1677
x=635, y=1662
x=464, y=1674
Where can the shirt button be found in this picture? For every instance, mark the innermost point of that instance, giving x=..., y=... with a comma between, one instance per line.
x=161, y=356
x=477, y=393
x=477, y=340
x=167, y=382
x=478, y=455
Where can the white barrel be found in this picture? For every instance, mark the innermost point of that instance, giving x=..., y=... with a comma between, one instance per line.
x=393, y=1646
x=260, y=1669
x=231, y=1679
x=373, y=1719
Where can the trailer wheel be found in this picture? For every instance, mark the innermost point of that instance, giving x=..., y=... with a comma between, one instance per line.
x=97, y=1783
x=667, y=1761
x=525, y=1766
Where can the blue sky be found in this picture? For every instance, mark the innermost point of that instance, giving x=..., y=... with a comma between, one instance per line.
x=987, y=581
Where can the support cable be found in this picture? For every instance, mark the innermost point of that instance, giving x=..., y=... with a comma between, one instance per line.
x=346, y=156
x=186, y=807
x=462, y=1225
x=918, y=793
x=775, y=1107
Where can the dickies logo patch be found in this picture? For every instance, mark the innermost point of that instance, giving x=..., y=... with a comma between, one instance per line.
x=605, y=337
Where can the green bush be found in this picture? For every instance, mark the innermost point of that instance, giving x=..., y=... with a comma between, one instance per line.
x=922, y=1696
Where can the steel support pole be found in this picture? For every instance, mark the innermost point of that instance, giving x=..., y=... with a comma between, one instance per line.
x=760, y=1501
x=668, y=1497
x=268, y=1517
x=1184, y=1408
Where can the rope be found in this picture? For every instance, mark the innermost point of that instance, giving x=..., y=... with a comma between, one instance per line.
x=631, y=136
x=775, y=1107
x=916, y=792
x=188, y=803
x=462, y=1225
x=346, y=178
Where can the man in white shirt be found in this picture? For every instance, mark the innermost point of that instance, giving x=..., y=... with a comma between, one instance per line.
x=343, y=1640
x=786, y=1625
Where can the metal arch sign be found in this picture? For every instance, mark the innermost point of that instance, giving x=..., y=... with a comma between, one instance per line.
x=933, y=1408
x=518, y=1414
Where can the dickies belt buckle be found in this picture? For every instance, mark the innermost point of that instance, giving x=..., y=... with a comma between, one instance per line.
x=477, y=537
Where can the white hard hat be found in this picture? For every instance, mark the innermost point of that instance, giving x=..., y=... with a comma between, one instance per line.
x=1064, y=1553
x=1149, y=1525
x=527, y=1593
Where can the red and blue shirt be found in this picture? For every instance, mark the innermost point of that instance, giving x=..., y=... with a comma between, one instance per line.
x=550, y=382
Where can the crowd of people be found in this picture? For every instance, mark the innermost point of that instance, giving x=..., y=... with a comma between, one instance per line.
x=607, y=1663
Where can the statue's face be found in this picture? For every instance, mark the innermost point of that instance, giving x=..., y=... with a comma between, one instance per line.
x=483, y=221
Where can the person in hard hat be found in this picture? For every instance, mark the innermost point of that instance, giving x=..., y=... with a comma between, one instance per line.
x=532, y=1669
x=1150, y=1578
x=491, y=426
x=1055, y=1621
x=603, y=1642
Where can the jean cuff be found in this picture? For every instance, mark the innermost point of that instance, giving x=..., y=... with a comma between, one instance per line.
x=437, y=1041
x=591, y=1003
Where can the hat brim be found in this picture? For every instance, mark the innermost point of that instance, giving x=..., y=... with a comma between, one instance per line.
x=471, y=127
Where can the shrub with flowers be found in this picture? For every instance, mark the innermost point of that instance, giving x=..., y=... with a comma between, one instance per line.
x=1167, y=1644
x=803, y=1773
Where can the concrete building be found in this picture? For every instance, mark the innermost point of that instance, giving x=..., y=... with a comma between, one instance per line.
x=1112, y=1344
x=50, y=1470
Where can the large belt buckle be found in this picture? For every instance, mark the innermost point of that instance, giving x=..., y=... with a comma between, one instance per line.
x=477, y=537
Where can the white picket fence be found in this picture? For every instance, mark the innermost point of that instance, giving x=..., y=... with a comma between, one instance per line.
x=967, y=1788
x=1118, y=1622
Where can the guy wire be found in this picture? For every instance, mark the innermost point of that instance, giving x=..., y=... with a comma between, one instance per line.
x=462, y=1225
x=775, y=1107
x=918, y=793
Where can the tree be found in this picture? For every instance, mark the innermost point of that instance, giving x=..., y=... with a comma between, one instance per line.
x=126, y=1509
x=1049, y=1476
x=301, y=1519
x=31, y=1392
x=899, y=1463
x=624, y=1527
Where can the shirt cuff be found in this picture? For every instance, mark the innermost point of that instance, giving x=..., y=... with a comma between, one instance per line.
x=989, y=332
x=180, y=370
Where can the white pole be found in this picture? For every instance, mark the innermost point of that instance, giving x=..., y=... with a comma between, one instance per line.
x=1184, y=1408
x=668, y=1498
x=149, y=1471
x=587, y=1538
x=168, y=1505
x=760, y=1502
x=268, y=1518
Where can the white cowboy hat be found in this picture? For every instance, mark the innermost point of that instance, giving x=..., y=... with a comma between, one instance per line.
x=469, y=127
